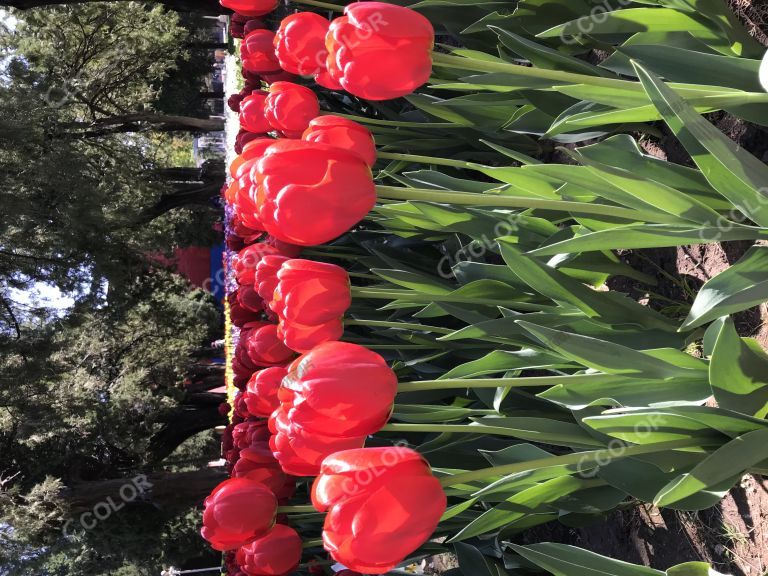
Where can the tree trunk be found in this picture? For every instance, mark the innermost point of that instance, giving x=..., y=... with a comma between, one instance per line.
x=198, y=6
x=168, y=202
x=199, y=414
x=165, y=489
x=139, y=122
x=208, y=45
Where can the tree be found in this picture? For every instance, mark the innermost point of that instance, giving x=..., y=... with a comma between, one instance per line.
x=100, y=386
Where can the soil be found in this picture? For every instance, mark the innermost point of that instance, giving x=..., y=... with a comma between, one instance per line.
x=732, y=536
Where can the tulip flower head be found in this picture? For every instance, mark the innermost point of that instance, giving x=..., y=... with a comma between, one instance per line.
x=382, y=504
x=310, y=299
x=266, y=276
x=252, y=113
x=300, y=43
x=289, y=107
x=331, y=193
x=257, y=52
x=261, y=392
x=263, y=346
x=330, y=400
x=380, y=51
x=250, y=7
x=237, y=511
x=274, y=554
x=342, y=133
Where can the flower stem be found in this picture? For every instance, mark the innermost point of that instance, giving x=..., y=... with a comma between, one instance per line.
x=400, y=325
x=558, y=76
x=522, y=382
x=504, y=201
x=579, y=458
x=296, y=508
x=428, y=160
x=312, y=543
x=317, y=4
x=476, y=428
x=393, y=123
x=413, y=296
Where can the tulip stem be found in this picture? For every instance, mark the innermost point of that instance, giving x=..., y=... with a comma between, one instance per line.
x=556, y=76
x=476, y=428
x=394, y=123
x=312, y=543
x=413, y=296
x=400, y=325
x=428, y=160
x=522, y=382
x=505, y=201
x=317, y=4
x=296, y=508
x=597, y=457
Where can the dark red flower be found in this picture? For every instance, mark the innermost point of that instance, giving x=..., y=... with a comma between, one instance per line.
x=234, y=102
x=300, y=43
x=257, y=52
x=289, y=107
x=254, y=24
x=236, y=512
x=250, y=7
x=258, y=463
x=281, y=76
x=263, y=346
x=342, y=133
x=331, y=193
x=261, y=393
x=310, y=300
x=380, y=51
x=252, y=114
x=382, y=503
x=247, y=433
x=224, y=409
x=275, y=554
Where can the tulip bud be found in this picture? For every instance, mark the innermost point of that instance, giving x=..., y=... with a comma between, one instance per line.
x=257, y=52
x=300, y=43
x=380, y=51
x=250, y=7
x=261, y=393
x=342, y=133
x=252, y=116
x=289, y=107
x=236, y=512
x=392, y=487
x=331, y=193
x=275, y=554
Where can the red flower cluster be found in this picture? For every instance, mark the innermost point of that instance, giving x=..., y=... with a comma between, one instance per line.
x=303, y=179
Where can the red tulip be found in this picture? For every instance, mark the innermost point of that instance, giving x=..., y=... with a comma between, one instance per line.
x=237, y=313
x=331, y=192
x=240, y=408
x=250, y=7
x=234, y=102
x=380, y=51
x=342, y=133
x=249, y=299
x=310, y=300
x=236, y=512
x=252, y=116
x=299, y=452
x=275, y=554
x=383, y=503
x=266, y=276
x=257, y=52
x=300, y=43
x=263, y=346
x=324, y=408
x=261, y=393
x=244, y=264
x=257, y=463
x=289, y=107
x=247, y=433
